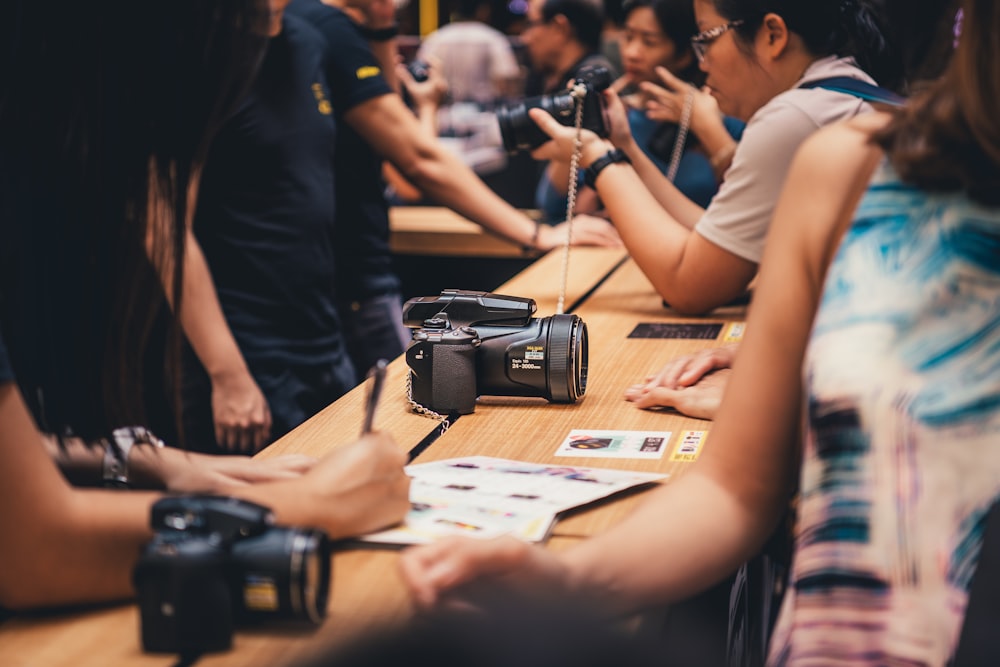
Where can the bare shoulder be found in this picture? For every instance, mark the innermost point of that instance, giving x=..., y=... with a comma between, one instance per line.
x=845, y=146
x=826, y=180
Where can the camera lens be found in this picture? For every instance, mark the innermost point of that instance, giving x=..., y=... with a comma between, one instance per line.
x=547, y=358
x=568, y=356
x=520, y=133
x=284, y=574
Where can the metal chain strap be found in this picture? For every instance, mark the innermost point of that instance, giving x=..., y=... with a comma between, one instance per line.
x=682, y=131
x=578, y=92
x=421, y=410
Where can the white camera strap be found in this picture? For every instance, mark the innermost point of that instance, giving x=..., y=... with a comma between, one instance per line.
x=578, y=92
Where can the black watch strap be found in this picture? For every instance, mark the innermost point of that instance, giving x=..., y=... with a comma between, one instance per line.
x=598, y=165
x=380, y=34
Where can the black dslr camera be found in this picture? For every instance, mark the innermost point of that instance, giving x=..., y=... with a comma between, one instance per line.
x=215, y=562
x=520, y=133
x=470, y=344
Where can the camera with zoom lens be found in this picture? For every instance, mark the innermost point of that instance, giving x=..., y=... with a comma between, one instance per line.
x=469, y=344
x=520, y=133
x=217, y=562
x=419, y=70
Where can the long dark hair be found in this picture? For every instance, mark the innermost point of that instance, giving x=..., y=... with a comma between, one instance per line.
x=676, y=21
x=948, y=138
x=106, y=109
x=827, y=27
x=586, y=17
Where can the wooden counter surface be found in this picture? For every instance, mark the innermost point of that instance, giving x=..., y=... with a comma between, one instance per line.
x=367, y=593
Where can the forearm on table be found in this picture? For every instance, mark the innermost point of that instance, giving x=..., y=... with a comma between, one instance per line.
x=449, y=181
x=684, y=538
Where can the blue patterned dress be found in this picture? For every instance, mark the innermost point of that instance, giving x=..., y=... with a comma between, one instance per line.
x=902, y=455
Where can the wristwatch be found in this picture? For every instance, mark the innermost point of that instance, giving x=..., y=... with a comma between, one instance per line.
x=115, y=467
x=379, y=34
x=597, y=166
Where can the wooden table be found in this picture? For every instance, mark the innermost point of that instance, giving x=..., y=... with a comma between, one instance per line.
x=439, y=231
x=611, y=296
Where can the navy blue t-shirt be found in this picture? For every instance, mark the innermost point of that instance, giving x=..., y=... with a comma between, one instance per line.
x=6, y=372
x=266, y=211
x=364, y=262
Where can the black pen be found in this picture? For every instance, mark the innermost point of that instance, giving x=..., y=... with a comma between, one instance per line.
x=377, y=375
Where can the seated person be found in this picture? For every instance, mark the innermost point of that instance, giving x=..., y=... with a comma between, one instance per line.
x=874, y=325
x=655, y=42
x=757, y=64
x=77, y=294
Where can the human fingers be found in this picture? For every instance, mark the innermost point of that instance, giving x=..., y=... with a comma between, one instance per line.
x=634, y=392
x=595, y=231
x=293, y=463
x=671, y=81
x=433, y=571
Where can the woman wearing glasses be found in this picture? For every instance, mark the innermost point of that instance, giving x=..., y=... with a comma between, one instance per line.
x=875, y=329
x=688, y=141
x=757, y=55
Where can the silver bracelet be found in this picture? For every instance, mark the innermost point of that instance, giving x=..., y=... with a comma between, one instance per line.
x=115, y=465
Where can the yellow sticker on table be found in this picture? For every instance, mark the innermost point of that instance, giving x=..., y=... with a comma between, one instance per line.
x=689, y=446
x=734, y=332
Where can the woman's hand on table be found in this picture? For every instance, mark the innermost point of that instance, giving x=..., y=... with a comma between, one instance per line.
x=692, y=384
x=446, y=572
x=587, y=230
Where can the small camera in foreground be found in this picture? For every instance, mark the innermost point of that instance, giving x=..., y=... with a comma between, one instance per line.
x=469, y=344
x=520, y=133
x=216, y=562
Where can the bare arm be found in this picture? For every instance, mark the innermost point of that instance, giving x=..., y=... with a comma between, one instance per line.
x=392, y=130
x=50, y=522
x=742, y=482
x=173, y=469
x=358, y=487
x=691, y=273
x=242, y=417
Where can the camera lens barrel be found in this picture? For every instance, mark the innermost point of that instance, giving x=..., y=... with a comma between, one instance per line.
x=547, y=359
x=567, y=358
x=283, y=574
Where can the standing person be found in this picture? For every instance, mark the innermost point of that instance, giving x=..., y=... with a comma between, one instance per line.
x=265, y=220
x=693, y=384
x=363, y=101
x=98, y=148
x=476, y=59
x=875, y=319
x=761, y=58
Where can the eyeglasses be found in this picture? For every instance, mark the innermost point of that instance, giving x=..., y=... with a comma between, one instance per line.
x=704, y=39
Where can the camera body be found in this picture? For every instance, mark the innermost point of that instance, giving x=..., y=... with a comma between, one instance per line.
x=215, y=562
x=419, y=70
x=468, y=344
x=520, y=133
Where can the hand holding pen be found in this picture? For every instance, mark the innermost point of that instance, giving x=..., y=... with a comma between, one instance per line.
x=377, y=376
